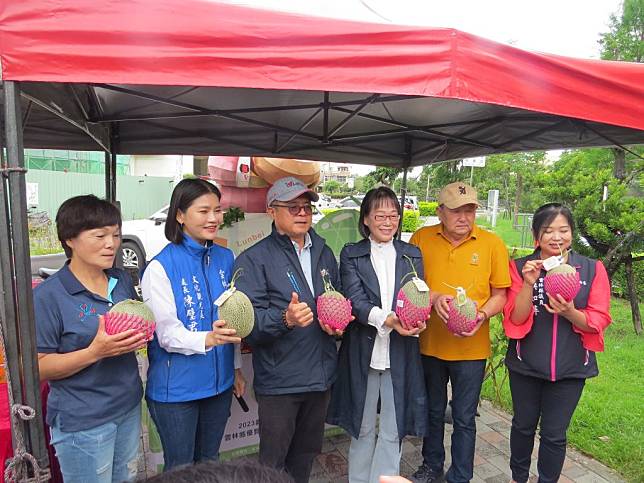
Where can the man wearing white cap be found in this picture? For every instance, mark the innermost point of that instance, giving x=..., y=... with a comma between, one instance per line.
x=457, y=253
x=294, y=356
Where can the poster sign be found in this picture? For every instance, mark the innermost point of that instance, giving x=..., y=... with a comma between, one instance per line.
x=32, y=194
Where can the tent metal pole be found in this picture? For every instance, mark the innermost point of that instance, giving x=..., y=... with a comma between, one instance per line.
x=403, y=187
x=19, y=306
x=108, y=178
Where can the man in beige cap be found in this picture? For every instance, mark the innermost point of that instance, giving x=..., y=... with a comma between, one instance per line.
x=457, y=253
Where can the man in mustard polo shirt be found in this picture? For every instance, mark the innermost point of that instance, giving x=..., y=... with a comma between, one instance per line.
x=457, y=253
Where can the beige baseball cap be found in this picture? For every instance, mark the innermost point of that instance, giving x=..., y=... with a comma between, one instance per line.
x=455, y=195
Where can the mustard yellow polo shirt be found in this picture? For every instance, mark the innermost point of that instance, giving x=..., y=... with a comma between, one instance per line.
x=478, y=263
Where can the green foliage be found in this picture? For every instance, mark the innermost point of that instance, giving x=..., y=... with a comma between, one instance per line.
x=618, y=282
x=326, y=211
x=427, y=208
x=625, y=41
x=610, y=405
x=410, y=221
x=232, y=215
x=578, y=178
x=333, y=186
x=380, y=175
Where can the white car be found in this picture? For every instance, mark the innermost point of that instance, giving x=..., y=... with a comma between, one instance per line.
x=142, y=240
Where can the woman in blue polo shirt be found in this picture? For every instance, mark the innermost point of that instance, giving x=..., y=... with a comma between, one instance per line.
x=193, y=363
x=94, y=407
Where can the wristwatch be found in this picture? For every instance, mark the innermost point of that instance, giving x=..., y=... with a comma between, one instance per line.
x=485, y=314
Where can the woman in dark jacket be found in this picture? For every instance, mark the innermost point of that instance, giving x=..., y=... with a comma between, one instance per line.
x=552, y=343
x=378, y=359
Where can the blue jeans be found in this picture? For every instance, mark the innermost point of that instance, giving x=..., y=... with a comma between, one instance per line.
x=466, y=378
x=370, y=458
x=191, y=431
x=106, y=453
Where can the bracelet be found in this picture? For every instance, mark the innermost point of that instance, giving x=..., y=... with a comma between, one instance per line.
x=285, y=321
x=484, y=313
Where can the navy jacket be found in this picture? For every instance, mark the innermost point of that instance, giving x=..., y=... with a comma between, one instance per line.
x=360, y=284
x=287, y=361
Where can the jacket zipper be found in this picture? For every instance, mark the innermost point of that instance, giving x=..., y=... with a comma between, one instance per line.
x=167, y=383
x=519, y=350
x=205, y=261
x=553, y=351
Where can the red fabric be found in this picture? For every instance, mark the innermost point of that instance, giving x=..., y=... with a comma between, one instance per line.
x=188, y=42
x=596, y=311
x=6, y=449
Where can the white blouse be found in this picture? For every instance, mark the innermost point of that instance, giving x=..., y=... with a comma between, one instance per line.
x=383, y=259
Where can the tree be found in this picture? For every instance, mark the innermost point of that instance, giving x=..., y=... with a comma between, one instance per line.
x=613, y=227
x=381, y=175
x=625, y=41
x=331, y=186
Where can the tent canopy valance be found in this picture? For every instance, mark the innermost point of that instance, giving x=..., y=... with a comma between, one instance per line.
x=201, y=77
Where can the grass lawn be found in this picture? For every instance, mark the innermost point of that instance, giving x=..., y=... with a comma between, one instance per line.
x=506, y=231
x=609, y=421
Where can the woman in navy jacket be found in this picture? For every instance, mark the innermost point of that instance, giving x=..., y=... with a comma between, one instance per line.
x=378, y=358
x=552, y=344
x=193, y=364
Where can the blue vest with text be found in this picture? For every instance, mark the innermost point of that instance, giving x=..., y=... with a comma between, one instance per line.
x=198, y=276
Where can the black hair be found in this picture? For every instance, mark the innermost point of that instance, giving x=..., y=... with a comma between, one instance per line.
x=373, y=200
x=183, y=195
x=236, y=471
x=546, y=214
x=82, y=213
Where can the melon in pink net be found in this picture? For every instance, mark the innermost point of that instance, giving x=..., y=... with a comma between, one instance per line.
x=562, y=280
x=130, y=314
x=413, y=302
x=462, y=314
x=333, y=308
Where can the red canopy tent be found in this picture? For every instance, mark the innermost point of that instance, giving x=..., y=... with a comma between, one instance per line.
x=200, y=77
x=196, y=76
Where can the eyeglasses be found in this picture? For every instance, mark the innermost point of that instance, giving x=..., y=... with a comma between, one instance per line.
x=392, y=218
x=295, y=209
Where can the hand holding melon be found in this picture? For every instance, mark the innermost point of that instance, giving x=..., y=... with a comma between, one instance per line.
x=334, y=311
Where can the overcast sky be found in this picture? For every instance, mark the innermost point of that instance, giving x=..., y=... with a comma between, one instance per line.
x=564, y=27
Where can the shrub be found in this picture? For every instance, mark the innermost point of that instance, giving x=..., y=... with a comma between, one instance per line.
x=427, y=208
x=410, y=221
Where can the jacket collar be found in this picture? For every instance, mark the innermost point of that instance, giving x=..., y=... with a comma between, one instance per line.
x=363, y=248
x=72, y=285
x=194, y=248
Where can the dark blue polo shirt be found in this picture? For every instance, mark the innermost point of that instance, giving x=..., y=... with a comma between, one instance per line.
x=66, y=321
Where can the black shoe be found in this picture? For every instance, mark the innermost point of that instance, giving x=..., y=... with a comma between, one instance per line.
x=425, y=474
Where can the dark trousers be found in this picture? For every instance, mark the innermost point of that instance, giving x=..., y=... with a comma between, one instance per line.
x=291, y=430
x=467, y=378
x=553, y=403
x=191, y=431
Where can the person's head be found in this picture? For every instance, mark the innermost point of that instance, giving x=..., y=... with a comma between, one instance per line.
x=194, y=211
x=288, y=203
x=235, y=471
x=457, y=203
x=379, y=214
x=89, y=230
x=553, y=228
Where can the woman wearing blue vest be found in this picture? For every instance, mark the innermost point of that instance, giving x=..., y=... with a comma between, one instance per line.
x=552, y=344
x=194, y=366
